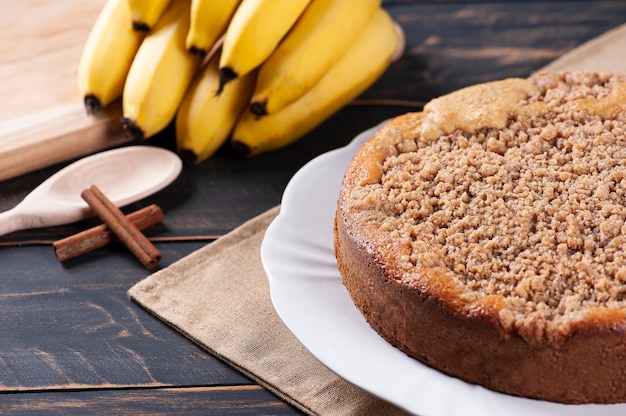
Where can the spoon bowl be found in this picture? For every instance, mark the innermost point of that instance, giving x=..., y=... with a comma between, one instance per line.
x=124, y=175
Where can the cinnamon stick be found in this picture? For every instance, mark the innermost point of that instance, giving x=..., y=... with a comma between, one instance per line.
x=101, y=235
x=128, y=234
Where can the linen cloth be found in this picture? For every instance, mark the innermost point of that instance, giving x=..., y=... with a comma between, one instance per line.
x=218, y=296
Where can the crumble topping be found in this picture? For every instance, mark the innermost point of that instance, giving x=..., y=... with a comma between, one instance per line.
x=529, y=203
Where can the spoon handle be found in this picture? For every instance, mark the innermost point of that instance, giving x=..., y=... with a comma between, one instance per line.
x=11, y=220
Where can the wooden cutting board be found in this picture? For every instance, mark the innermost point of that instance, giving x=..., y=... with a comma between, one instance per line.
x=42, y=119
x=603, y=53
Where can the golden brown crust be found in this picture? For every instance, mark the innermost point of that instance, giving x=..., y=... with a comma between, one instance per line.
x=424, y=312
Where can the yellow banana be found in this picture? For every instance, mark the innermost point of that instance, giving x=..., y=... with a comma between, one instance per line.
x=317, y=40
x=205, y=120
x=146, y=13
x=159, y=75
x=107, y=56
x=254, y=32
x=362, y=64
x=209, y=20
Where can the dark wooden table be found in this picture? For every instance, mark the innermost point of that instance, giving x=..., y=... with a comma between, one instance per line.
x=72, y=342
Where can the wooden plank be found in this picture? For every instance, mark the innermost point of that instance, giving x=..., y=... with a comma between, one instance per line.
x=220, y=401
x=73, y=326
x=454, y=44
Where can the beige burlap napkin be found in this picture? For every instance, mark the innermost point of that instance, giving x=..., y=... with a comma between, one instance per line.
x=219, y=297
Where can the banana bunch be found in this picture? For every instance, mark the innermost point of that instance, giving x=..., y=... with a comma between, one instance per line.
x=259, y=74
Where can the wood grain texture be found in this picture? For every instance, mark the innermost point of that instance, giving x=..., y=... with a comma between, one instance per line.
x=73, y=326
x=73, y=343
x=225, y=401
x=39, y=50
x=42, y=117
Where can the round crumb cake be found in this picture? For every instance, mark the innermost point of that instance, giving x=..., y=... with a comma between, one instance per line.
x=486, y=235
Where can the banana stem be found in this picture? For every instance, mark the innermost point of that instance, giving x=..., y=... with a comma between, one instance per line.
x=132, y=129
x=226, y=75
x=92, y=104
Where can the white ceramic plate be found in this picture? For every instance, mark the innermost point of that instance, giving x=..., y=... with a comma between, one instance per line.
x=307, y=292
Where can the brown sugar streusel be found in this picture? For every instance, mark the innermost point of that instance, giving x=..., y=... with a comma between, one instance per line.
x=531, y=207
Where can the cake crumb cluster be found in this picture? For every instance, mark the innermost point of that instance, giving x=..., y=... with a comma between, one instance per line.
x=534, y=212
